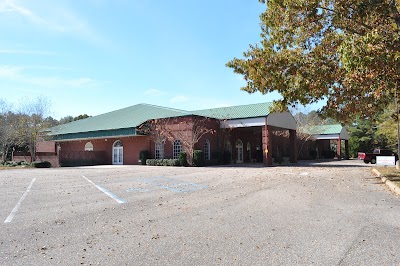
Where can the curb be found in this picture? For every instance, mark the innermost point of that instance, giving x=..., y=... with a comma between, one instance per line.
x=392, y=186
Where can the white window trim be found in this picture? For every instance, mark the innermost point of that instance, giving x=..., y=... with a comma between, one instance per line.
x=159, y=150
x=175, y=152
x=89, y=146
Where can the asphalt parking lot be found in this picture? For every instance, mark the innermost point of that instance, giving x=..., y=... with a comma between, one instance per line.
x=331, y=213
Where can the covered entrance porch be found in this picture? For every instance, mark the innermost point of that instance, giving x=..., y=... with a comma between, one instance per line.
x=262, y=139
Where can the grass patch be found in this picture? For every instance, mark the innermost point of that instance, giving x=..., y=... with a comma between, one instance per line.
x=390, y=173
x=14, y=167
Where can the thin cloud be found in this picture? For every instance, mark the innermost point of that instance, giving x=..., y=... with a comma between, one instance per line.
x=12, y=6
x=17, y=74
x=179, y=99
x=58, y=19
x=10, y=72
x=25, y=52
x=54, y=82
x=154, y=93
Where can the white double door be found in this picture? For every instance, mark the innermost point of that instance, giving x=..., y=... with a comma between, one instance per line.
x=118, y=155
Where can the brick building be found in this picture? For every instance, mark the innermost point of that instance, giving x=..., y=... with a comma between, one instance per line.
x=245, y=132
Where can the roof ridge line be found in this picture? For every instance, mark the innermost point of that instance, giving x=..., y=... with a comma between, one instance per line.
x=163, y=107
x=232, y=106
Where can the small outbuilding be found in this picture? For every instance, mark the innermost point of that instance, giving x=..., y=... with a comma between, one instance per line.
x=330, y=141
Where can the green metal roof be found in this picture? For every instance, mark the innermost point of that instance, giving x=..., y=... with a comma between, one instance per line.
x=129, y=117
x=111, y=124
x=235, y=112
x=324, y=129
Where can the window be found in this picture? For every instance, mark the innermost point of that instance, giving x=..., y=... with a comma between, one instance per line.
x=206, y=150
x=159, y=150
x=118, y=152
x=89, y=146
x=228, y=148
x=118, y=143
x=249, y=150
x=239, y=147
x=177, y=149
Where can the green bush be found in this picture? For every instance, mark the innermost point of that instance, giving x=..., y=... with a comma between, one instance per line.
x=216, y=155
x=79, y=162
x=212, y=162
x=226, y=159
x=183, y=159
x=44, y=164
x=162, y=162
x=198, y=158
x=10, y=164
x=143, y=156
x=24, y=163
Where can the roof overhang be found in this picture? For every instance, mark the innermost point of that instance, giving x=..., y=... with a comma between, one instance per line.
x=343, y=135
x=283, y=120
x=117, y=133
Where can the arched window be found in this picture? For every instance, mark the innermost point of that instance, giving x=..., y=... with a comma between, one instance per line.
x=228, y=148
x=159, y=152
x=118, y=143
x=89, y=146
x=176, y=149
x=239, y=147
x=206, y=150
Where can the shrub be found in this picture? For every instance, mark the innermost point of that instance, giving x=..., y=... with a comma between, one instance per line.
x=227, y=157
x=278, y=159
x=212, y=162
x=162, y=162
x=198, y=158
x=24, y=163
x=313, y=154
x=183, y=159
x=216, y=155
x=143, y=156
x=44, y=164
x=79, y=162
x=10, y=163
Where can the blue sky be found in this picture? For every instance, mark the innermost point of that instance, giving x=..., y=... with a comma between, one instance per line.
x=95, y=56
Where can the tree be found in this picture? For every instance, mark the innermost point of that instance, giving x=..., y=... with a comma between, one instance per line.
x=363, y=137
x=304, y=123
x=346, y=52
x=66, y=119
x=189, y=132
x=8, y=123
x=31, y=121
x=387, y=126
x=69, y=118
x=156, y=129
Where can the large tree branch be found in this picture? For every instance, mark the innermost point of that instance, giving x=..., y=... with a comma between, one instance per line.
x=351, y=19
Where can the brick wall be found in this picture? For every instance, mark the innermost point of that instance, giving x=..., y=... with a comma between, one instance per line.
x=103, y=148
x=181, y=128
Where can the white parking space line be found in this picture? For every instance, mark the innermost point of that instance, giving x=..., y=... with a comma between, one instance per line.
x=14, y=211
x=105, y=191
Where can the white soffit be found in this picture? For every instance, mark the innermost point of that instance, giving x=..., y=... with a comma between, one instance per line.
x=282, y=120
x=244, y=122
x=327, y=136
